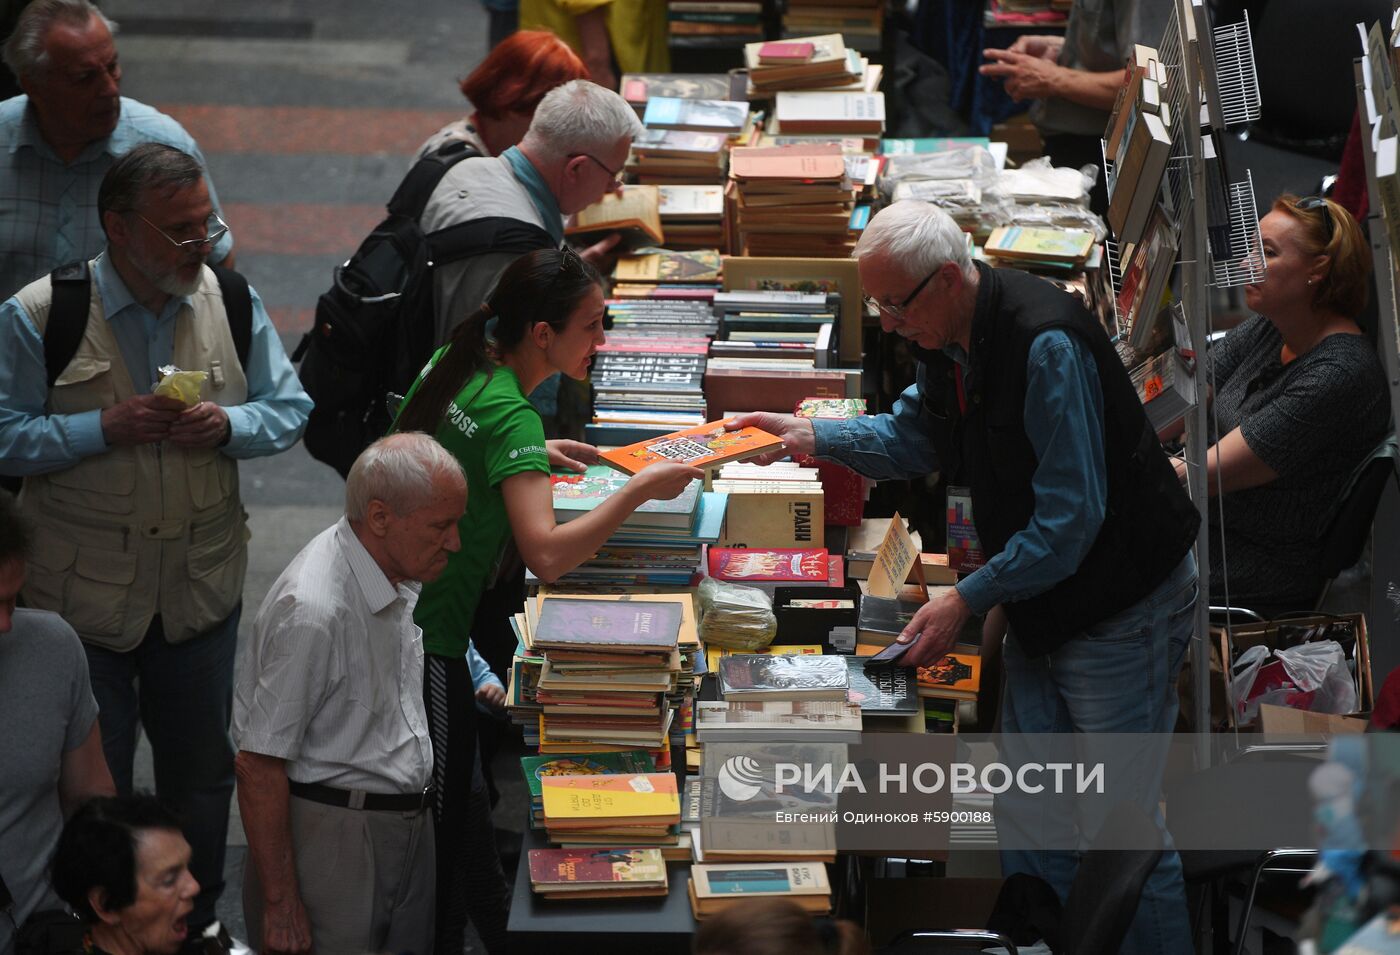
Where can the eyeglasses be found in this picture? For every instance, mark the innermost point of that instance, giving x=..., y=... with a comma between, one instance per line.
x=1317, y=202
x=897, y=311
x=216, y=228
x=616, y=174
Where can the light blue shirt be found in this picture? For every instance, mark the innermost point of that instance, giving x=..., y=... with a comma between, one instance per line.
x=48, y=208
x=1063, y=416
x=35, y=442
x=538, y=190
x=481, y=672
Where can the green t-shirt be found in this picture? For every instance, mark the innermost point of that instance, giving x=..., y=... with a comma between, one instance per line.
x=494, y=432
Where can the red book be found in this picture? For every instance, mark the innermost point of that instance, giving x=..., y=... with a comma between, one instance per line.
x=582, y=866
x=742, y=565
x=781, y=52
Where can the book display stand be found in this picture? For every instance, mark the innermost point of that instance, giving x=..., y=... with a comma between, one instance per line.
x=1209, y=85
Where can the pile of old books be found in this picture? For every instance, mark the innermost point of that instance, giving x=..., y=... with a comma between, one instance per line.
x=781, y=505
x=778, y=721
x=714, y=22
x=693, y=215
x=536, y=768
x=801, y=63
x=624, y=873
x=831, y=113
x=791, y=200
x=607, y=665
x=638, y=88
x=681, y=157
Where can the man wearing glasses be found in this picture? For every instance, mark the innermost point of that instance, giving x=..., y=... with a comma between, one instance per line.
x=140, y=535
x=571, y=156
x=1087, y=533
x=58, y=140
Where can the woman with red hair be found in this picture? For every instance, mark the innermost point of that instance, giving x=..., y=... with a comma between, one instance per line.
x=505, y=89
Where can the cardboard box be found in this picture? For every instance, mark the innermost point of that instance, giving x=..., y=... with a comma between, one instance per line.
x=1285, y=720
x=1266, y=634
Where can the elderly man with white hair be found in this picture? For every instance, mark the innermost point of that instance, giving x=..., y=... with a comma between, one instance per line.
x=571, y=156
x=335, y=764
x=1021, y=398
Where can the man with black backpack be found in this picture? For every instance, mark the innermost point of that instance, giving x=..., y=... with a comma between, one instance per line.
x=457, y=220
x=140, y=536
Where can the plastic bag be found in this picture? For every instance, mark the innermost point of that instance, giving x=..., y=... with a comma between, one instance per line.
x=1038, y=181
x=181, y=385
x=736, y=617
x=1313, y=677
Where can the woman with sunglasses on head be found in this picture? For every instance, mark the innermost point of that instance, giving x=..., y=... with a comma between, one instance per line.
x=545, y=316
x=1299, y=402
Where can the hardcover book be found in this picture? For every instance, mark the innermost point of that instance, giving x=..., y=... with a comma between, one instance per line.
x=699, y=115
x=631, y=625
x=537, y=768
x=782, y=677
x=638, y=798
x=741, y=565
x=577, y=494
x=1071, y=246
x=722, y=879
x=881, y=619
x=882, y=688
x=638, y=88
x=708, y=445
x=785, y=53
x=697, y=266
x=957, y=676
x=636, y=214
x=582, y=867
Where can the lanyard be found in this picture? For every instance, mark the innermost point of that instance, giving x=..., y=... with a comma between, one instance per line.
x=962, y=392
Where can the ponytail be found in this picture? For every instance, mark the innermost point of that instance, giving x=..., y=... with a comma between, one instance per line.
x=541, y=286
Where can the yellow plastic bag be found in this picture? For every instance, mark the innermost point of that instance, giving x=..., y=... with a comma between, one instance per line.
x=181, y=385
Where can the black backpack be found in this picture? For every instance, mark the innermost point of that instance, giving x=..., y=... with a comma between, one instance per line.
x=374, y=326
x=68, y=318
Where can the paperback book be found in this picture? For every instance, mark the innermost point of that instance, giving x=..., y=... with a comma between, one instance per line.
x=610, y=624
x=706, y=446
x=782, y=677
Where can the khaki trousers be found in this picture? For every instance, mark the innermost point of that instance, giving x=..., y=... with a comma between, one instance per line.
x=367, y=880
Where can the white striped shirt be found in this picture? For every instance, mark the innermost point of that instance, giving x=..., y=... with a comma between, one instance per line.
x=332, y=681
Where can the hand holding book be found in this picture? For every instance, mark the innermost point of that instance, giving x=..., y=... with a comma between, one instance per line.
x=797, y=434
x=934, y=629
x=663, y=481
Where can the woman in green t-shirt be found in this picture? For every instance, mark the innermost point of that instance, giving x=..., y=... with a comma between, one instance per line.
x=545, y=316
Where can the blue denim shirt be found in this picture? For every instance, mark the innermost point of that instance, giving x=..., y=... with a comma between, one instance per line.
x=35, y=442
x=1064, y=422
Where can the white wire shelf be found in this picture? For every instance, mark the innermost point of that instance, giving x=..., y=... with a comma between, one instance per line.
x=1235, y=78
x=1246, y=267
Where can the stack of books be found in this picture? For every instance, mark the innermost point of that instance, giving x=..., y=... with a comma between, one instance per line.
x=678, y=157
x=714, y=22
x=801, y=63
x=693, y=216
x=755, y=334
x=859, y=22
x=831, y=113
x=791, y=200
x=726, y=117
x=597, y=873
x=1041, y=14
x=625, y=809
x=1137, y=144
x=780, y=506
x=715, y=887
x=1040, y=249
x=738, y=721
x=887, y=695
x=608, y=665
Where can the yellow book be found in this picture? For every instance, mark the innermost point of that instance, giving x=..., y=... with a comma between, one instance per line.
x=638, y=798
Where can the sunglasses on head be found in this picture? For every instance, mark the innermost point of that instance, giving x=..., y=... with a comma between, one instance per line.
x=1317, y=202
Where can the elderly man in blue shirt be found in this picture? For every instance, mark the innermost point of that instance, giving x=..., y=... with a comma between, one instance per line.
x=141, y=537
x=1021, y=397
x=59, y=139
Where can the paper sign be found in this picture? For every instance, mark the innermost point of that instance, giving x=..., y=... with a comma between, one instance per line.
x=893, y=561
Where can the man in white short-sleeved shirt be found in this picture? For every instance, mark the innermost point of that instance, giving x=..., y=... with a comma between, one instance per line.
x=334, y=756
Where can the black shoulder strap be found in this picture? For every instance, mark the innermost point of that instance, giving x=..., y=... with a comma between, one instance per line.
x=68, y=316
x=491, y=234
x=238, y=306
x=417, y=187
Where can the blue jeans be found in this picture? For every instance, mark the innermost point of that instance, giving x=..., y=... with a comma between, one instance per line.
x=183, y=695
x=1118, y=676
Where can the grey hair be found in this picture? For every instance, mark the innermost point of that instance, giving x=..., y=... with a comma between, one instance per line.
x=917, y=236
x=24, y=51
x=579, y=117
x=143, y=168
x=399, y=470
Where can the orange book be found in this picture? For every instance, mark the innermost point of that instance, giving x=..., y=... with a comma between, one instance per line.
x=704, y=446
x=957, y=676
